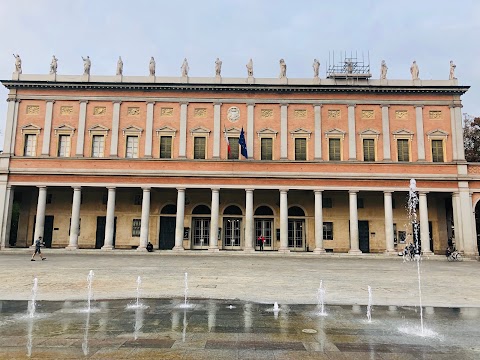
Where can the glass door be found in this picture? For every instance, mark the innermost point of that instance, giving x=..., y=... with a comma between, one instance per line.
x=296, y=235
x=231, y=233
x=263, y=227
x=201, y=233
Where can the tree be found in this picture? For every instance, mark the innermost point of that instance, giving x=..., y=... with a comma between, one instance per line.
x=471, y=137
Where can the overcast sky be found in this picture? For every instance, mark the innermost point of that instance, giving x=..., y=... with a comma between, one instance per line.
x=432, y=32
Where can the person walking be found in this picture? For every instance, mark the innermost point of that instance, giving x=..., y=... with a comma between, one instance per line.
x=261, y=240
x=38, y=245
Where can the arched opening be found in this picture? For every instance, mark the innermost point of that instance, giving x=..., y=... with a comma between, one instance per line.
x=263, y=211
x=295, y=211
x=201, y=209
x=296, y=229
x=167, y=227
x=232, y=210
x=264, y=228
x=169, y=209
x=232, y=225
x=201, y=227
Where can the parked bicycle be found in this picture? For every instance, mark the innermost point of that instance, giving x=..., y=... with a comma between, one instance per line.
x=453, y=255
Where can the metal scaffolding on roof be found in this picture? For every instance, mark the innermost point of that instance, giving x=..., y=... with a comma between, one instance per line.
x=348, y=66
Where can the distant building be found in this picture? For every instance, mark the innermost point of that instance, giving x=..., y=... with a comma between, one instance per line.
x=115, y=162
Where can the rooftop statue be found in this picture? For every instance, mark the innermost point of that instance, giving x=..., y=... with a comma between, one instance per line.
x=283, y=69
x=185, y=68
x=18, y=63
x=218, y=67
x=383, y=70
x=452, y=70
x=414, y=71
x=316, y=68
x=53, y=65
x=119, y=66
x=250, y=68
x=87, y=64
x=151, y=66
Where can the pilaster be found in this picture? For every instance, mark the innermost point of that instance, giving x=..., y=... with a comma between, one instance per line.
x=149, y=129
x=250, y=130
x=352, y=137
x=386, y=133
x=115, y=127
x=283, y=131
x=216, y=130
x=317, y=111
x=82, y=117
x=420, y=133
x=183, y=130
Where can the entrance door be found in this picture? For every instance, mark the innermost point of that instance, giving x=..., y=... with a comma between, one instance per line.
x=296, y=235
x=167, y=232
x=263, y=227
x=231, y=233
x=364, y=236
x=47, y=230
x=100, y=235
x=201, y=233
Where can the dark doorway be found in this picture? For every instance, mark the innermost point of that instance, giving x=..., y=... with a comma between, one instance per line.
x=167, y=232
x=47, y=230
x=14, y=224
x=100, y=235
x=364, y=236
x=477, y=224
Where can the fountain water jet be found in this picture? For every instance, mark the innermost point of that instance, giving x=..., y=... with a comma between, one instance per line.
x=185, y=294
x=369, y=306
x=33, y=301
x=321, y=299
x=90, y=289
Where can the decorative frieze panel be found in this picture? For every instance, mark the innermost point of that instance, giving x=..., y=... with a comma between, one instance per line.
x=368, y=114
x=66, y=110
x=200, y=112
x=300, y=114
x=435, y=114
x=266, y=113
x=33, y=109
x=401, y=114
x=133, y=111
x=166, y=111
x=334, y=114
x=99, y=110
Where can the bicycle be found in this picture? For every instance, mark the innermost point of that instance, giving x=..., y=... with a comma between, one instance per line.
x=455, y=256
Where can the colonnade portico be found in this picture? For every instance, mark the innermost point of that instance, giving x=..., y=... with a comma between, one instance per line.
x=249, y=216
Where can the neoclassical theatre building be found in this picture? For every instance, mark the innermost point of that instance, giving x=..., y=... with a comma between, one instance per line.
x=115, y=162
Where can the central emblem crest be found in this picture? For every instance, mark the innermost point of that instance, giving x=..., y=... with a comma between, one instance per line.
x=233, y=114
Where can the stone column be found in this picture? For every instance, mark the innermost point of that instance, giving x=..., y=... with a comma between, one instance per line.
x=110, y=221
x=216, y=130
x=459, y=133
x=182, y=148
x=115, y=127
x=250, y=129
x=82, y=117
x=249, y=230
x=317, y=111
x=47, y=128
x=386, y=133
x=145, y=222
x=149, y=129
x=474, y=225
x=424, y=231
x=352, y=136
x=466, y=208
x=40, y=218
x=354, y=241
x=389, y=241
x=420, y=134
x=284, y=221
x=10, y=127
x=457, y=221
x=453, y=127
x=318, y=223
x=6, y=215
x=75, y=220
x=213, y=243
x=283, y=132
x=179, y=220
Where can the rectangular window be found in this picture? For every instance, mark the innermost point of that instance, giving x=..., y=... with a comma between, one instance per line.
x=136, y=224
x=368, y=150
x=234, y=148
x=327, y=203
x=165, y=147
x=266, y=149
x=137, y=199
x=132, y=147
x=403, y=151
x=98, y=145
x=199, y=148
x=64, y=146
x=301, y=149
x=327, y=230
x=437, y=150
x=334, y=149
x=30, y=145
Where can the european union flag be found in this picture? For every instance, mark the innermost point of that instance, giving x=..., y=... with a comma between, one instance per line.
x=243, y=144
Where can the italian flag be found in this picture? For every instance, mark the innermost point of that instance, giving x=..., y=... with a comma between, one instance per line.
x=226, y=139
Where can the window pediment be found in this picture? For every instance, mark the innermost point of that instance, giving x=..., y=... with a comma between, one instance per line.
x=64, y=129
x=31, y=129
x=267, y=132
x=369, y=133
x=335, y=133
x=166, y=131
x=132, y=130
x=234, y=131
x=300, y=132
x=402, y=134
x=200, y=130
x=437, y=133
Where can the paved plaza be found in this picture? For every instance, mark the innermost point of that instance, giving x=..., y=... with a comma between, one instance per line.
x=230, y=313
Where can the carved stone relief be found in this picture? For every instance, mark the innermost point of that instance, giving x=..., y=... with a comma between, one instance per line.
x=266, y=113
x=66, y=110
x=300, y=113
x=368, y=114
x=99, y=110
x=200, y=112
x=166, y=111
x=134, y=111
x=334, y=114
x=33, y=109
x=435, y=114
x=233, y=113
x=401, y=114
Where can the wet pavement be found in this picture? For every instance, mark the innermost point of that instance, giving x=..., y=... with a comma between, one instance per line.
x=214, y=329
